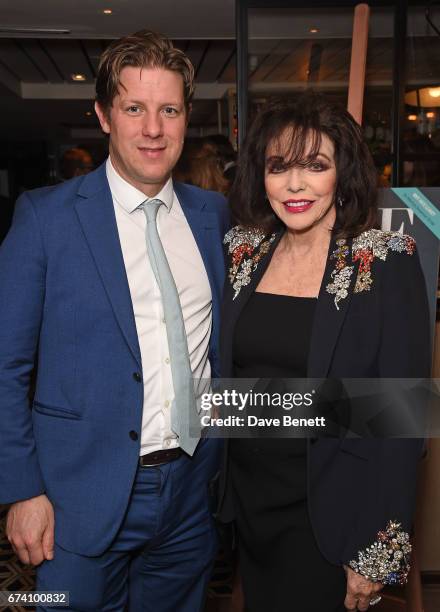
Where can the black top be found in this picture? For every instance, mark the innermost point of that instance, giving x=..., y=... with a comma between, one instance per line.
x=277, y=549
x=272, y=338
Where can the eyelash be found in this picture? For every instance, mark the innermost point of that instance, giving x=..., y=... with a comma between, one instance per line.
x=321, y=167
x=174, y=112
x=276, y=169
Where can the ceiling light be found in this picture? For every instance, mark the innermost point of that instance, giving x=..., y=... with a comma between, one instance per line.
x=313, y=30
x=425, y=97
x=88, y=113
x=430, y=115
x=78, y=77
x=107, y=11
x=412, y=117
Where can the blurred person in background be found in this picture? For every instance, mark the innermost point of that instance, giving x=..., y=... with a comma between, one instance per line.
x=75, y=162
x=226, y=154
x=203, y=162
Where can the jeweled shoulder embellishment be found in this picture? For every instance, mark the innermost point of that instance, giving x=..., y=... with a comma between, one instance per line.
x=246, y=247
x=365, y=248
x=376, y=243
x=341, y=274
x=387, y=560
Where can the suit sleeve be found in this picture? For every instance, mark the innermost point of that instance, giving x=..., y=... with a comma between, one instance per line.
x=224, y=222
x=406, y=347
x=226, y=217
x=405, y=352
x=22, y=289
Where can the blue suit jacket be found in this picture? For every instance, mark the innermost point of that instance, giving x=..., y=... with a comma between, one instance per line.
x=65, y=301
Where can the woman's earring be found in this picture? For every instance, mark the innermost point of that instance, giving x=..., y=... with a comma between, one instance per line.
x=340, y=201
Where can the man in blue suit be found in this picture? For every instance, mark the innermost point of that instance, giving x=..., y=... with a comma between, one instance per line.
x=109, y=499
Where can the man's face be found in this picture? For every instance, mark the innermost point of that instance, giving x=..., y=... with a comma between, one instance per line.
x=146, y=124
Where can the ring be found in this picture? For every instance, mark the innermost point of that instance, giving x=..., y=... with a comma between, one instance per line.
x=375, y=600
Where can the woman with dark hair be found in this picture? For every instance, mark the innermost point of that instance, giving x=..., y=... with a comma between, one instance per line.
x=315, y=290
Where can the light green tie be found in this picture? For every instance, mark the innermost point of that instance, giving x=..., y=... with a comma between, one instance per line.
x=185, y=420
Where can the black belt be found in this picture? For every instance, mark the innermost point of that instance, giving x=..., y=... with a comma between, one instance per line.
x=160, y=456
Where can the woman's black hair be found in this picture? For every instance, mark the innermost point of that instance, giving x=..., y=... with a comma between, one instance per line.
x=301, y=123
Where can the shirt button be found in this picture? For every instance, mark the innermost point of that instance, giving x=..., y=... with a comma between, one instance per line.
x=167, y=360
x=137, y=377
x=133, y=435
x=163, y=319
x=167, y=442
x=167, y=404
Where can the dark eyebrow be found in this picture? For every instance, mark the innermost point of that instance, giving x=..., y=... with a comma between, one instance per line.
x=280, y=158
x=140, y=103
x=129, y=101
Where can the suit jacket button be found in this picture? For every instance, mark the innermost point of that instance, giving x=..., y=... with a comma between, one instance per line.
x=137, y=377
x=133, y=435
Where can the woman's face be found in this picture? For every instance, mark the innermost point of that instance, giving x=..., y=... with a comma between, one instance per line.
x=302, y=195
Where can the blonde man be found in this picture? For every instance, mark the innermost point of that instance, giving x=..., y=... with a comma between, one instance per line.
x=109, y=500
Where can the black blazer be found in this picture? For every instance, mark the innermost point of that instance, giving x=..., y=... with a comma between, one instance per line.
x=371, y=321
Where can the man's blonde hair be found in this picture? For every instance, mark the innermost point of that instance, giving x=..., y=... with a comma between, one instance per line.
x=144, y=49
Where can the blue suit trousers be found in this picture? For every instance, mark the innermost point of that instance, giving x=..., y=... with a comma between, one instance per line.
x=161, y=558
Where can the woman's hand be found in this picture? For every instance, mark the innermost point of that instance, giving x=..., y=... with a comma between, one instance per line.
x=360, y=591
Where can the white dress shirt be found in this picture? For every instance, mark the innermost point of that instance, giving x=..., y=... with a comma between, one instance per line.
x=195, y=298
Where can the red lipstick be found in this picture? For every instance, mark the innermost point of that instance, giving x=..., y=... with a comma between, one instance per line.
x=297, y=206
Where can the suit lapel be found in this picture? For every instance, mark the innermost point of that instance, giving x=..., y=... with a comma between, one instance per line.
x=331, y=309
x=232, y=308
x=96, y=215
x=247, y=290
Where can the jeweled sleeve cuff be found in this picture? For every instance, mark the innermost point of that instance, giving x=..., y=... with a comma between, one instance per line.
x=387, y=560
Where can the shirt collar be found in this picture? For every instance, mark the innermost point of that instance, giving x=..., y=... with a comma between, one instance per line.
x=131, y=198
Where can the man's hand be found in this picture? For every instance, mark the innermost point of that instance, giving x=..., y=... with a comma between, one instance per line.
x=360, y=591
x=30, y=529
